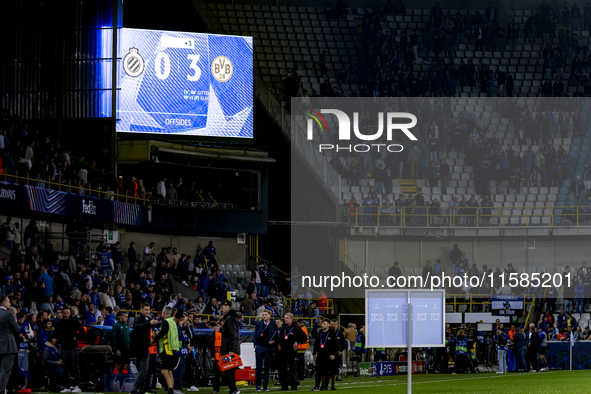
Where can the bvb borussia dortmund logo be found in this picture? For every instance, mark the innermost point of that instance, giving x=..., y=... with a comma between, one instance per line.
x=133, y=63
x=222, y=68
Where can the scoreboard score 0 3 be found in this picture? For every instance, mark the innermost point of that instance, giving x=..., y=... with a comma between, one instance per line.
x=185, y=83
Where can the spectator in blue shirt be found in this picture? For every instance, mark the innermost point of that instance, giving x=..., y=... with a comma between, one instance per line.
x=109, y=318
x=47, y=280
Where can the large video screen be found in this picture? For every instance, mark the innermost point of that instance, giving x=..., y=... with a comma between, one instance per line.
x=185, y=83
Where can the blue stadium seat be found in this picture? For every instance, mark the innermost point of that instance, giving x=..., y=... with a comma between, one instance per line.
x=575, y=147
x=585, y=147
x=581, y=161
x=566, y=182
x=587, y=141
x=562, y=198
x=584, y=154
x=577, y=141
x=564, y=190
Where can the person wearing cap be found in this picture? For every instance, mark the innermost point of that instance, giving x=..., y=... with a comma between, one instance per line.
x=210, y=253
x=230, y=342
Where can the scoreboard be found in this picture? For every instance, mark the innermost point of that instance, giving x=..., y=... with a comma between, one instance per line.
x=185, y=83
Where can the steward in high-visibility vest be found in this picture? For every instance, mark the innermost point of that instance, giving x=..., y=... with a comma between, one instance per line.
x=359, y=346
x=169, y=344
x=303, y=346
x=215, y=349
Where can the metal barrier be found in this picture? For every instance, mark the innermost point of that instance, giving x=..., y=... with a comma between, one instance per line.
x=86, y=190
x=453, y=217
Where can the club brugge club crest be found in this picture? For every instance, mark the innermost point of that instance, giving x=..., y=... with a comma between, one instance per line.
x=222, y=68
x=133, y=63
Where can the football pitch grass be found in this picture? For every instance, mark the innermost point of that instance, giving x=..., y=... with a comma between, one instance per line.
x=483, y=383
x=490, y=382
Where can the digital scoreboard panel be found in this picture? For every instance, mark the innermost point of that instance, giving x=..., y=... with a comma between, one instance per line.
x=180, y=83
x=387, y=318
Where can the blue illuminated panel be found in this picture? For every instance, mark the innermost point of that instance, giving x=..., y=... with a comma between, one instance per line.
x=185, y=83
x=387, y=318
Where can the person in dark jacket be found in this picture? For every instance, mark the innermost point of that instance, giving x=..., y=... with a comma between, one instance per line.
x=230, y=342
x=521, y=347
x=533, y=345
x=265, y=335
x=69, y=331
x=290, y=336
x=8, y=348
x=324, y=352
x=140, y=343
x=51, y=360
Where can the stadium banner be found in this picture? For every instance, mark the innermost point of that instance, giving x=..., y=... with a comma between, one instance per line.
x=389, y=368
x=13, y=196
x=190, y=84
x=507, y=305
x=62, y=203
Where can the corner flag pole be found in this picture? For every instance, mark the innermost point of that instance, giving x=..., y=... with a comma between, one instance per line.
x=409, y=348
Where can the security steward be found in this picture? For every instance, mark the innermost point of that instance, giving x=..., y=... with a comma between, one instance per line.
x=265, y=334
x=230, y=342
x=302, y=347
x=215, y=348
x=325, y=353
x=168, y=345
x=290, y=336
x=141, y=337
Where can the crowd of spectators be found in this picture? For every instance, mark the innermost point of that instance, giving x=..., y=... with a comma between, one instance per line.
x=41, y=287
x=388, y=65
x=26, y=152
x=494, y=165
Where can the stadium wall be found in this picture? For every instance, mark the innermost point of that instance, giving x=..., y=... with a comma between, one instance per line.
x=548, y=252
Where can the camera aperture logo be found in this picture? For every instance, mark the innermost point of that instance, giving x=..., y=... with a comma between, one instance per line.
x=344, y=131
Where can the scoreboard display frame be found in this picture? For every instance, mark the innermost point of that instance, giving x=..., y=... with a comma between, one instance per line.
x=185, y=84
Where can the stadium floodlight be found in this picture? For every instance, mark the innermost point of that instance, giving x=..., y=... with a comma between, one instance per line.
x=403, y=318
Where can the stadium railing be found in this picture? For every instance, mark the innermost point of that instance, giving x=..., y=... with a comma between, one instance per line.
x=87, y=190
x=409, y=216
